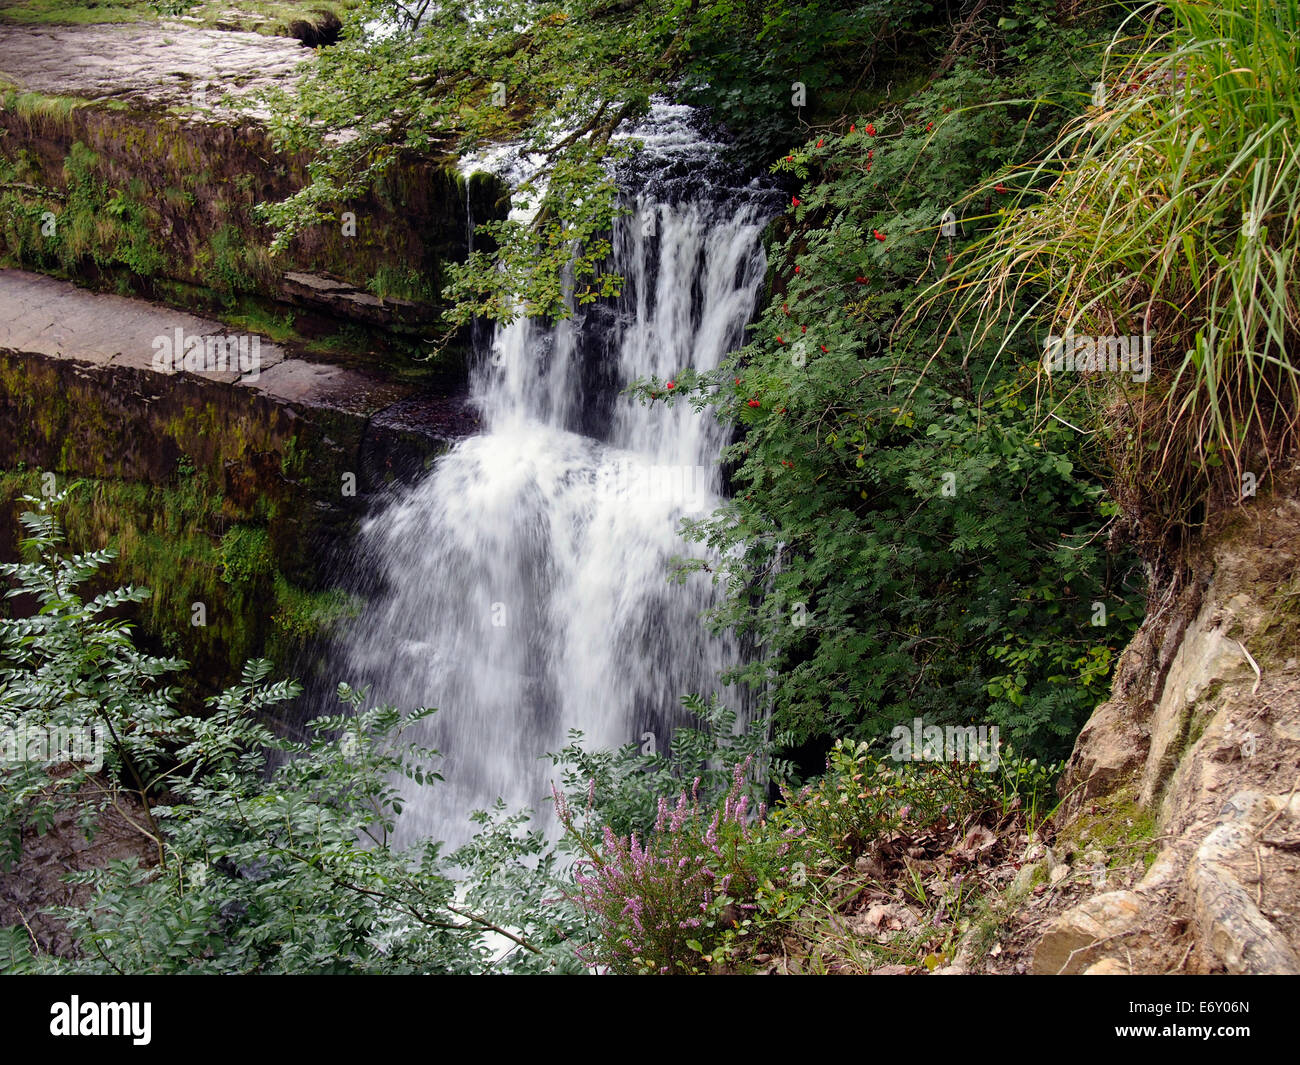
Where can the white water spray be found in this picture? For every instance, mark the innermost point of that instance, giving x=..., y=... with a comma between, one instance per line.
x=524, y=580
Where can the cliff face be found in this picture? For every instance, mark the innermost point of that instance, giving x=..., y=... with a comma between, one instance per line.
x=131, y=153
x=220, y=488
x=132, y=158
x=1177, y=846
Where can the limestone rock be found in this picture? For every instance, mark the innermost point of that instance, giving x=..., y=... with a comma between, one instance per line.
x=1107, y=967
x=1108, y=749
x=1064, y=948
x=1230, y=924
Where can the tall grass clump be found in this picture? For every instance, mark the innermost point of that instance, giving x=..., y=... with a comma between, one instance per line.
x=1168, y=211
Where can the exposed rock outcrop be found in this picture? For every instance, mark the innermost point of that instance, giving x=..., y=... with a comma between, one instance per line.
x=1202, y=739
x=293, y=448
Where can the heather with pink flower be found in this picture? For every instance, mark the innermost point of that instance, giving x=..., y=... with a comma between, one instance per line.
x=671, y=902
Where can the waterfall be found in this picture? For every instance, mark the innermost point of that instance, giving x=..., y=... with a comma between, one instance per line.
x=523, y=583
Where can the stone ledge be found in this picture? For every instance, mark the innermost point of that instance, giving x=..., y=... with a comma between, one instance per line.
x=81, y=392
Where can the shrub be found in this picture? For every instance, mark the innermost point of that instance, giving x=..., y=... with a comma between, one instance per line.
x=664, y=905
x=260, y=870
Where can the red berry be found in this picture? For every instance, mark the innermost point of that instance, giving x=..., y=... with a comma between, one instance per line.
x=737, y=380
x=754, y=403
x=862, y=280
x=823, y=349
x=778, y=339
x=852, y=128
x=795, y=201
x=796, y=269
x=877, y=234
x=929, y=126
x=786, y=307
x=999, y=187
x=871, y=130
x=671, y=384
x=819, y=142
x=803, y=329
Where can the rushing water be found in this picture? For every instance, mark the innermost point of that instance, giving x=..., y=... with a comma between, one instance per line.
x=524, y=580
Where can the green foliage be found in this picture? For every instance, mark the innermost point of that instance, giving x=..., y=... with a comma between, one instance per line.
x=911, y=534
x=625, y=786
x=663, y=907
x=271, y=17
x=667, y=859
x=301, y=614
x=744, y=61
x=1169, y=211
x=842, y=828
x=391, y=282
x=421, y=88
x=289, y=866
x=561, y=78
x=290, y=870
x=862, y=797
x=245, y=555
x=172, y=8
x=61, y=12
x=918, y=526
x=226, y=265
x=71, y=668
x=88, y=222
x=938, y=524
x=714, y=881
x=942, y=530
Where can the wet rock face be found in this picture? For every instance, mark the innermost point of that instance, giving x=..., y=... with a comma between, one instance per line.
x=321, y=33
x=291, y=451
x=84, y=389
x=190, y=188
x=161, y=118
x=132, y=157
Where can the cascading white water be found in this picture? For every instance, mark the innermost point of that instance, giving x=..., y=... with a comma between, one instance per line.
x=524, y=580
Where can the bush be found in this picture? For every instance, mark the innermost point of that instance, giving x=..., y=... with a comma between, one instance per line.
x=910, y=534
x=664, y=906
x=257, y=870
